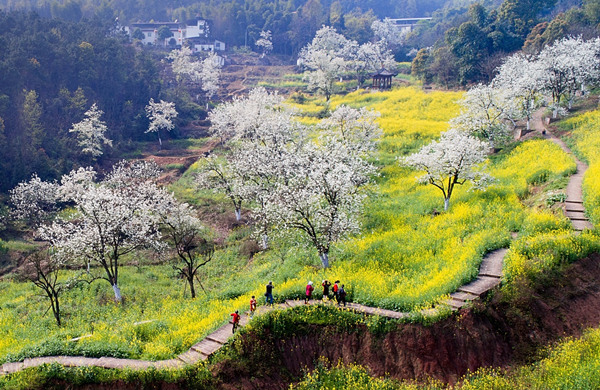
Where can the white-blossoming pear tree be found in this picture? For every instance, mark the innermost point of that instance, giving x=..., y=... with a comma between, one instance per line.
x=388, y=33
x=318, y=191
x=356, y=129
x=257, y=128
x=261, y=117
x=220, y=176
x=319, y=195
x=454, y=159
x=265, y=42
x=291, y=182
x=486, y=112
x=327, y=58
x=520, y=78
x=112, y=218
x=185, y=234
x=91, y=132
x=184, y=65
x=210, y=76
x=161, y=115
x=370, y=58
x=567, y=65
x=34, y=201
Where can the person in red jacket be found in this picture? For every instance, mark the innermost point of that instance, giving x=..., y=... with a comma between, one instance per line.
x=309, y=290
x=235, y=321
x=335, y=289
x=252, y=306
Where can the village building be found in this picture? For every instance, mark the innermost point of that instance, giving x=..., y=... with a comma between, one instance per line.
x=195, y=33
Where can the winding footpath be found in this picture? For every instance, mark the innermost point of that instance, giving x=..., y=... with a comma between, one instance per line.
x=574, y=209
x=490, y=274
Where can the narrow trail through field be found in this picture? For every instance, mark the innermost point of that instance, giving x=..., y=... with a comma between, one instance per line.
x=489, y=276
x=574, y=202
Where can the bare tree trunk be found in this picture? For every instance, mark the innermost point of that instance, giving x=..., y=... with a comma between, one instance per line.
x=446, y=204
x=238, y=214
x=192, y=289
x=56, y=308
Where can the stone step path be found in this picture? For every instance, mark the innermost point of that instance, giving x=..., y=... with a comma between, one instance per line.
x=489, y=276
x=574, y=209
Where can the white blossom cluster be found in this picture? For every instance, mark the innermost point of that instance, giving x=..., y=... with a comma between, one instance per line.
x=293, y=179
x=91, y=132
x=386, y=31
x=486, y=112
x=265, y=42
x=161, y=115
x=34, y=201
x=455, y=158
x=330, y=56
x=207, y=72
x=110, y=217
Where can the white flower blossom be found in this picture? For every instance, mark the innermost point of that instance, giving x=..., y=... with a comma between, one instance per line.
x=454, y=159
x=91, y=132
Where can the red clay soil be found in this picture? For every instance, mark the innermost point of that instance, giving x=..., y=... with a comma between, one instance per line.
x=498, y=332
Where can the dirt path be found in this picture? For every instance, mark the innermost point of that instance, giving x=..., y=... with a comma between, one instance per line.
x=574, y=209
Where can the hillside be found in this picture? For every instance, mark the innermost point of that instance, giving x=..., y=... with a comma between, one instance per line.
x=455, y=225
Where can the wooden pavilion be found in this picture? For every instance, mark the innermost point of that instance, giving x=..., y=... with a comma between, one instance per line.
x=382, y=79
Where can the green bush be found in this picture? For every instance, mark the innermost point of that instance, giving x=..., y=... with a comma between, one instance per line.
x=539, y=177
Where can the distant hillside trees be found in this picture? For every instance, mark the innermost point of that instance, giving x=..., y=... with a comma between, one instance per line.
x=476, y=40
x=49, y=71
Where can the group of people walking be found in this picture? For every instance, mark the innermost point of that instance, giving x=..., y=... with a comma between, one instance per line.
x=335, y=291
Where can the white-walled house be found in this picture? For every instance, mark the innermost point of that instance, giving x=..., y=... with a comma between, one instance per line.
x=150, y=31
x=196, y=32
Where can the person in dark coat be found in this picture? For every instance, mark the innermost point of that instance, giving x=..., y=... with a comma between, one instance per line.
x=342, y=295
x=269, y=293
x=326, y=285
